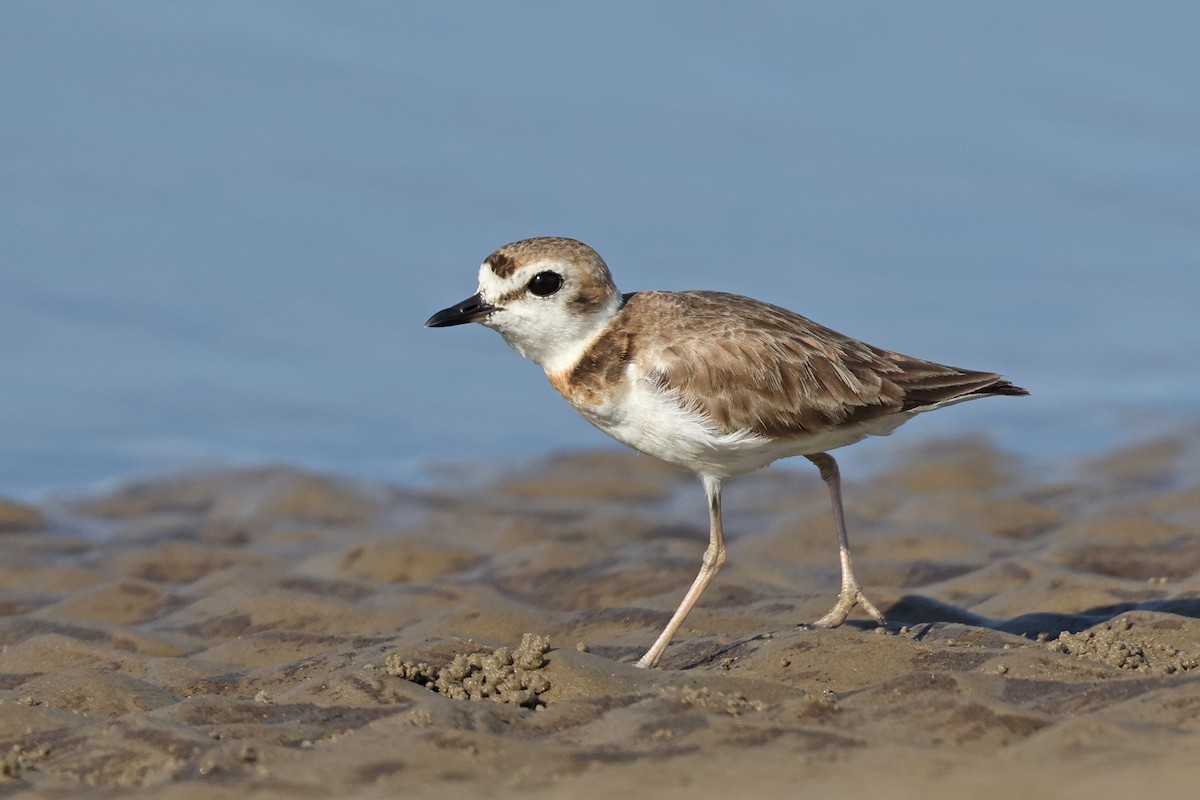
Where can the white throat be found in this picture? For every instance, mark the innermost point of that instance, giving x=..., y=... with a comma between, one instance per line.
x=568, y=351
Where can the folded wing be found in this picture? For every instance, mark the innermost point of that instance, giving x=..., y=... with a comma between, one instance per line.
x=752, y=366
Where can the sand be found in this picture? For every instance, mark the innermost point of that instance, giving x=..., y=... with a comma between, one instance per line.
x=270, y=633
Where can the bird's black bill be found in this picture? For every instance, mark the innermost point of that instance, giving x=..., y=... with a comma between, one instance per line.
x=472, y=309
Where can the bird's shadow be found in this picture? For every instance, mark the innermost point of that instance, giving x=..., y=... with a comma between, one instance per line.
x=914, y=610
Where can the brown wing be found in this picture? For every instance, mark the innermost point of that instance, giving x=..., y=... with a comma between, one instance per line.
x=752, y=366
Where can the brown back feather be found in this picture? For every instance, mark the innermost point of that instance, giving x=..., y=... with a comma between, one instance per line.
x=752, y=366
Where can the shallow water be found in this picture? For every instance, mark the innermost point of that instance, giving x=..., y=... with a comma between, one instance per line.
x=222, y=227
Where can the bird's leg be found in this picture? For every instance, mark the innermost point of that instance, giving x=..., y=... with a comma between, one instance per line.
x=714, y=557
x=851, y=593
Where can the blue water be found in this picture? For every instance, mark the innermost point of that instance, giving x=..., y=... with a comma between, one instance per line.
x=223, y=224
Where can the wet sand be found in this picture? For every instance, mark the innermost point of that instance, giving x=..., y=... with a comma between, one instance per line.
x=270, y=633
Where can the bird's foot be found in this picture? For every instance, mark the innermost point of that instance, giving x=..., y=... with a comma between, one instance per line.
x=850, y=596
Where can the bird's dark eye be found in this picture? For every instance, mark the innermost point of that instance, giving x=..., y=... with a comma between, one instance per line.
x=545, y=284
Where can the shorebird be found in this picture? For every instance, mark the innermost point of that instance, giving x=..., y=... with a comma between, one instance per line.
x=716, y=383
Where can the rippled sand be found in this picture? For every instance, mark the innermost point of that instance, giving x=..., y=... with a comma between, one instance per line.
x=269, y=633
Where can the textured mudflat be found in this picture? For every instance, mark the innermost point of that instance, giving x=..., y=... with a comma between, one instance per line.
x=269, y=633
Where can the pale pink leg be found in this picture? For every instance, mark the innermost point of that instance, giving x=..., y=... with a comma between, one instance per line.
x=714, y=557
x=851, y=594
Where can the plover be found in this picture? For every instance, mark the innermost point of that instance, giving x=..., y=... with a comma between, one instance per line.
x=717, y=383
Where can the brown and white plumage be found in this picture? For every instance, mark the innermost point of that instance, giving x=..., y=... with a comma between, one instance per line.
x=752, y=366
x=717, y=383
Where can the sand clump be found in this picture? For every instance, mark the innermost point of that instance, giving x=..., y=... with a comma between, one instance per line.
x=17, y=760
x=498, y=674
x=1117, y=644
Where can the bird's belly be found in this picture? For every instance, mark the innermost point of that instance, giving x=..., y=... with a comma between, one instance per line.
x=653, y=421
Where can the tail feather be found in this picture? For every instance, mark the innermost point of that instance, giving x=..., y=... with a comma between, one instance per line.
x=953, y=386
x=1005, y=387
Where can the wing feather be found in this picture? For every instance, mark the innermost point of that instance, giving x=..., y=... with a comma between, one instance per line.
x=753, y=366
